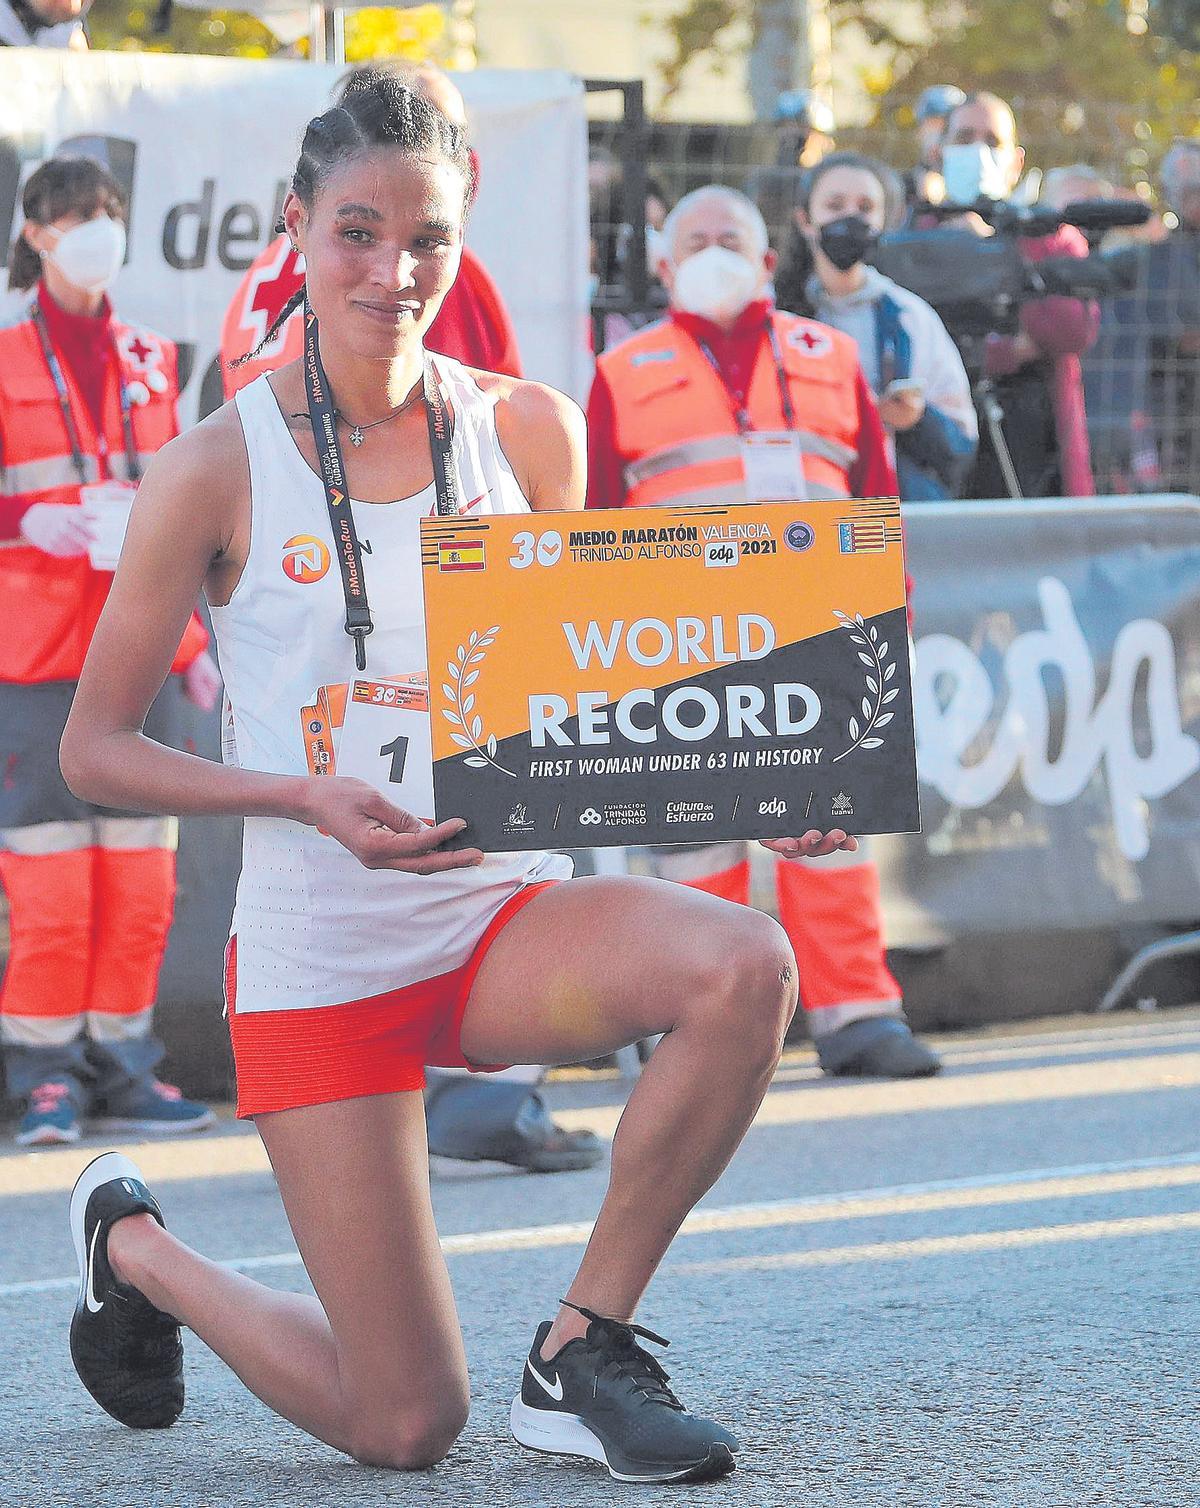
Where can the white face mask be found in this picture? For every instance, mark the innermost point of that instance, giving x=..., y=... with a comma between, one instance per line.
x=715, y=283
x=972, y=169
x=89, y=256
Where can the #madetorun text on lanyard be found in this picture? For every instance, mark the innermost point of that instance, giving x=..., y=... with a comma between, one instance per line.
x=322, y=416
x=773, y=463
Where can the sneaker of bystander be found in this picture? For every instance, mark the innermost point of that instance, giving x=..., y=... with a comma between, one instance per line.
x=151, y=1108
x=51, y=1118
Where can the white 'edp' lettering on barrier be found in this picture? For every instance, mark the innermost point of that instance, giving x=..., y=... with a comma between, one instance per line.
x=1096, y=734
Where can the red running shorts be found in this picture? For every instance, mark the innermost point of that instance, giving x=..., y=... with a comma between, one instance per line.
x=285, y=1059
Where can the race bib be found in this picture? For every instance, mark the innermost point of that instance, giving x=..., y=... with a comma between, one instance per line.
x=378, y=731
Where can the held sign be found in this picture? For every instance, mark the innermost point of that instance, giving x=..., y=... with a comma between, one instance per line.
x=670, y=675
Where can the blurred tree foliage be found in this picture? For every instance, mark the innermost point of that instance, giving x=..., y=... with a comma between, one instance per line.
x=1127, y=69
x=415, y=32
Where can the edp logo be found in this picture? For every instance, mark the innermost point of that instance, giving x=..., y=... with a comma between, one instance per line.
x=720, y=552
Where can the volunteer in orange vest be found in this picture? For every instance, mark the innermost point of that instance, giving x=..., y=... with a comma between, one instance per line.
x=674, y=416
x=85, y=399
x=472, y=325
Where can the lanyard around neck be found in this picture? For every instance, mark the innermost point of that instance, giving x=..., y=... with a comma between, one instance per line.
x=322, y=415
x=741, y=414
x=78, y=460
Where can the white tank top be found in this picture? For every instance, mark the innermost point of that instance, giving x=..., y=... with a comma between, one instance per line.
x=313, y=926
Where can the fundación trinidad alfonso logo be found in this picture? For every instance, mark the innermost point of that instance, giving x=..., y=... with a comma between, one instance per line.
x=305, y=558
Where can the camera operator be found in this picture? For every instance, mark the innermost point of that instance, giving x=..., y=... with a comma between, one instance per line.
x=923, y=183
x=1035, y=372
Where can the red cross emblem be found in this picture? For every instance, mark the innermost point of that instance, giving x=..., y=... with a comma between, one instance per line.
x=140, y=353
x=271, y=285
x=810, y=341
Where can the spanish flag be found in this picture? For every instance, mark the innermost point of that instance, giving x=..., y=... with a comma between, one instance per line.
x=460, y=555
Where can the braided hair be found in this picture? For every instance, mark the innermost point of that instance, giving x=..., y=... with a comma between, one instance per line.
x=376, y=109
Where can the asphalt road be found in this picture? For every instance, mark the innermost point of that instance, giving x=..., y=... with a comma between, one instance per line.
x=976, y=1290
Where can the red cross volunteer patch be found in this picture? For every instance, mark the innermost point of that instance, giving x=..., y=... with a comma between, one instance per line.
x=809, y=340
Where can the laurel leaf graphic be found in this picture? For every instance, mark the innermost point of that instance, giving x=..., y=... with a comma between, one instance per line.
x=858, y=618
x=463, y=743
x=866, y=709
x=469, y=703
x=882, y=722
x=889, y=672
x=477, y=728
x=872, y=743
x=475, y=762
x=872, y=683
x=461, y=653
x=883, y=650
x=448, y=689
x=854, y=727
x=452, y=670
x=890, y=696
x=491, y=745
x=469, y=680
x=874, y=634
x=494, y=630
x=452, y=717
x=866, y=659
x=474, y=639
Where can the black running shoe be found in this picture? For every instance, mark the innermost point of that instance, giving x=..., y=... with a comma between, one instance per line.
x=128, y=1353
x=605, y=1397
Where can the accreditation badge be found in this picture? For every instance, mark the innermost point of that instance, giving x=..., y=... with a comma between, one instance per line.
x=774, y=467
x=670, y=675
x=375, y=730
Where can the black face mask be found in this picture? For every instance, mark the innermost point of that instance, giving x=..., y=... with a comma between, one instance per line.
x=847, y=241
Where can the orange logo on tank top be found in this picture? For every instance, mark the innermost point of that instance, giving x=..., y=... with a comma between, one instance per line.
x=305, y=558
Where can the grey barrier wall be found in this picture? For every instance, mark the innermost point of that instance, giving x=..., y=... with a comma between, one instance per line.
x=1057, y=692
x=1058, y=721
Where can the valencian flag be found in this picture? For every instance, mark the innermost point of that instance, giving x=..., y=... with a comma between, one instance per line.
x=670, y=675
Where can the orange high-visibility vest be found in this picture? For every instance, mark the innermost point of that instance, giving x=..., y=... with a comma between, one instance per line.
x=675, y=428
x=49, y=607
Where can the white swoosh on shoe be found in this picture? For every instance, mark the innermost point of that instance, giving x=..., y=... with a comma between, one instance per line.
x=89, y=1292
x=555, y=1392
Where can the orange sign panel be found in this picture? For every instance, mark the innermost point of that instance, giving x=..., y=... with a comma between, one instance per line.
x=670, y=675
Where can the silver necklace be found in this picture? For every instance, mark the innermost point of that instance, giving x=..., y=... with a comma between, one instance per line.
x=357, y=431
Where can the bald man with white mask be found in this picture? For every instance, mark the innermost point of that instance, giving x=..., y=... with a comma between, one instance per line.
x=674, y=417
x=719, y=258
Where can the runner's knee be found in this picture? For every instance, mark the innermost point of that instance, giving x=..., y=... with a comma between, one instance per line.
x=407, y=1437
x=750, y=987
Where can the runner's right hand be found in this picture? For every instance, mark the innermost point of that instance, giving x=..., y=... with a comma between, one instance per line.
x=378, y=834
x=57, y=528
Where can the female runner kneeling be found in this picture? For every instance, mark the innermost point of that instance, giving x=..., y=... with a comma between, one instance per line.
x=362, y=950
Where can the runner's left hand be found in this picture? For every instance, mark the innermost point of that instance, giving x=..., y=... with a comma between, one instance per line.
x=813, y=845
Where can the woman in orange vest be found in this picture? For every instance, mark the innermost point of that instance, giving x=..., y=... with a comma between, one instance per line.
x=85, y=400
x=673, y=417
